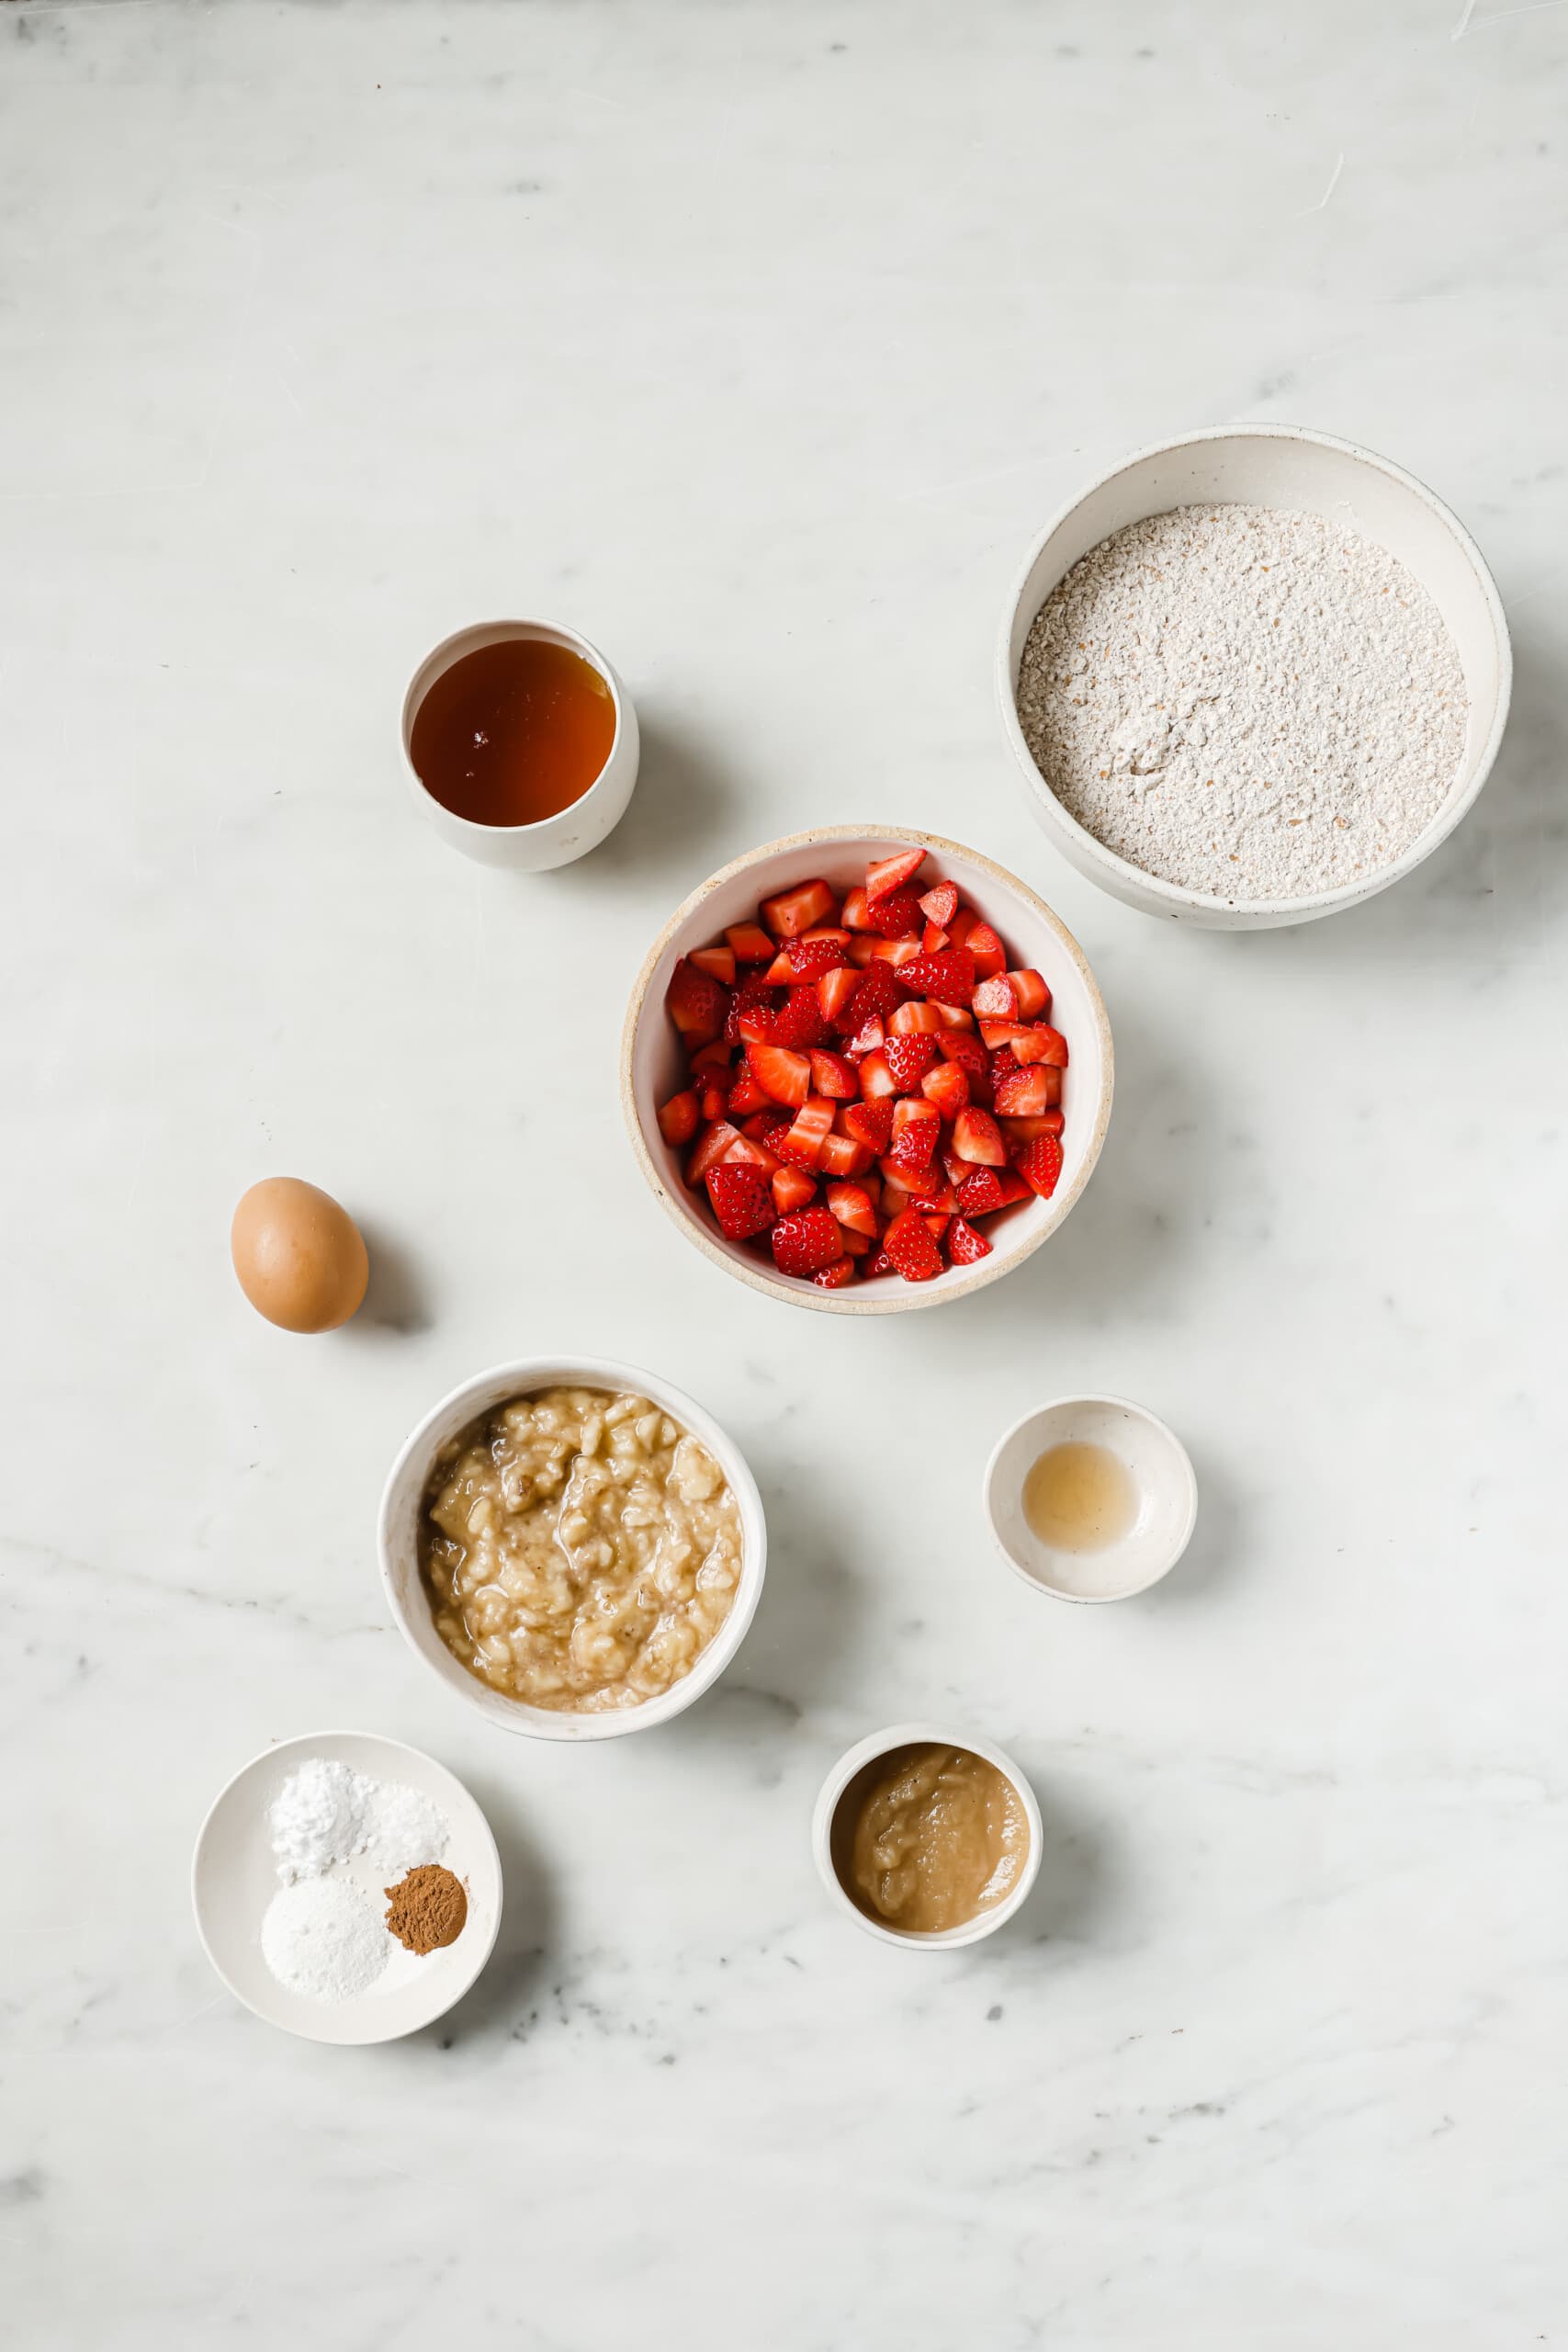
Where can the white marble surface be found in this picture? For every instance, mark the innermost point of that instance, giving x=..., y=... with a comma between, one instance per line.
x=758, y=341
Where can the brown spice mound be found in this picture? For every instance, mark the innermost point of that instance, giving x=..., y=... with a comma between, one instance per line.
x=427, y=1910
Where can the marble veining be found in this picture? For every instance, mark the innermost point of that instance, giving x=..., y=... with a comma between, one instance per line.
x=758, y=341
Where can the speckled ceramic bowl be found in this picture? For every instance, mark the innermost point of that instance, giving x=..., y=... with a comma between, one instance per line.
x=652, y=1067
x=1278, y=466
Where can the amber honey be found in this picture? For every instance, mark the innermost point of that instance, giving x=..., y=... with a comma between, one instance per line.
x=513, y=732
x=1079, y=1497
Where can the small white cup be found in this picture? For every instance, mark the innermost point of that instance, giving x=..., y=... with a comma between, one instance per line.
x=883, y=1742
x=572, y=832
x=1155, y=1460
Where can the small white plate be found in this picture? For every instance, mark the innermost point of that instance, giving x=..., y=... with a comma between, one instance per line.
x=234, y=1877
x=1155, y=1460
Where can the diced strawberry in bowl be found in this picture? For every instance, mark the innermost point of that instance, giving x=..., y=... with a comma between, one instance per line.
x=848, y=1067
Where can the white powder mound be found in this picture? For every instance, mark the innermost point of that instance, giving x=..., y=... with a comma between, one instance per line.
x=318, y=1817
x=403, y=1829
x=1245, y=702
x=321, y=1937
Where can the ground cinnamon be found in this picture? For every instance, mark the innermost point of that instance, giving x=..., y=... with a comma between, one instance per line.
x=426, y=1910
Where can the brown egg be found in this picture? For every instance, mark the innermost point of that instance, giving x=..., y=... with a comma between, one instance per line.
x=301, y=1258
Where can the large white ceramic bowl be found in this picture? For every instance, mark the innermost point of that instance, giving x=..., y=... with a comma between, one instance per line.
x=652, y=1068
x=398, y=1538
x=1278, y=466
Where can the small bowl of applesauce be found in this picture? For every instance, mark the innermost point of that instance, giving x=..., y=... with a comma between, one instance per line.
x=575, y=1547
x=1090, y=1498
x=927, y=1837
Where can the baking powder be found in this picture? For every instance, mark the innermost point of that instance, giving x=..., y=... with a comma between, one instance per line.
x=1243, y=701
x=323, y=1939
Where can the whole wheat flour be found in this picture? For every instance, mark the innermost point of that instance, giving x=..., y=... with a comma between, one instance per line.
x=1243, y=701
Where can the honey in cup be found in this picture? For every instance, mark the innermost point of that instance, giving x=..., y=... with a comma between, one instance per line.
x=926, y=1838
x=1079, y=1497
x=513, y=732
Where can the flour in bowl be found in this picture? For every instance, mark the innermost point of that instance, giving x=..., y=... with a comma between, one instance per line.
x=1245, y=702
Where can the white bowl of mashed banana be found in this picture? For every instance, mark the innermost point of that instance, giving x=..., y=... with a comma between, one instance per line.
x=574, y=1546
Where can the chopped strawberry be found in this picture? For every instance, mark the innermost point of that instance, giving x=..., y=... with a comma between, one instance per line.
x=754, y=1154
x=915, y=1019
x=749, y=942
x=987, y=949
x=917, y=1124
x=898, y=916
x=713, y=1056
x=719, y=963
x=808, y=959
x=947, y=1086
x=783, y=1076
x=798, y=1022
x=964, y=1245
x=834, y=991
x=990, y=1188
x=1048, y=1123
x=751, y=999
x=698, y=1006
x=899, y=1188
x=897, y=952
x=955, y=1016
x=742, y=1199
x=870, y=1122
x=962, y=924
x=766, y=1127
x=835, y=1276
x=1046, y=1044
x=831, y=1074
x=976, y=1135
x=935, y=1225
x=1022, y=1095
x=967, y=1051
x=875, y=1077
x=857, y=1245
x=1002, y=1032
x=948, y=977
x=862, y=947
x=909, y=1059
x=869, y=1039
x=715, y=1101
x=879, y=1264
x=855, y=916
x=793, y=1189
x=938, y=1197
x=709, y=1149
x=933, y=939
x=1033, y=996
x=796, y=910
x=813, y=1125
x=851, y=1203
x=805, y=1243
x=680, y=1117
x=877, y=996
x=745, y=1094
x=941, y=904
x=908, y=1242
x=844, y=1155
x=885, y=875
x=1040, y=1165
x=993, y=999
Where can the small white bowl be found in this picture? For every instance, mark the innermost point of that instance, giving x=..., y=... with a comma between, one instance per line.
x=398, y=1542
x=234, y=1877
x=1157, y=1463
x=572, y=832
x=883, y=1742
x=1279, y=466
x=652, y=1068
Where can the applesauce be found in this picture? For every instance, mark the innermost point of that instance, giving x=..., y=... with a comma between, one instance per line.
x=926, y=1838
x=580, y=1550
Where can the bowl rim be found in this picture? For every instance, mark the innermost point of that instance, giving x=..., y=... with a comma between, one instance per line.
x=1188, y=1476
x=883, y=1298
x=425, y=673
x=562, y=1725
x=1310, y=903
x=882, y=1743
